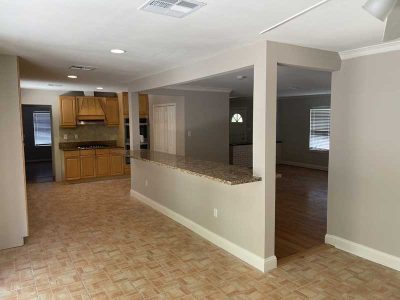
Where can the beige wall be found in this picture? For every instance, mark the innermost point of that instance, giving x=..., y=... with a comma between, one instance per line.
x=13, y=208
x=205, y=115
x=364, y=195
x=294, y=130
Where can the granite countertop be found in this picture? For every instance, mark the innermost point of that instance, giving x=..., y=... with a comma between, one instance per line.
x=228, y=174
x=73, y=146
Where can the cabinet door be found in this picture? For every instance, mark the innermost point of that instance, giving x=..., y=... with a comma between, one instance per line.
x=125, y=103
x=102, y=165
x=72, y=168
x=116, y=164
x=67, y=111
x=88, y=169
x=143, y=105
x=112, y=112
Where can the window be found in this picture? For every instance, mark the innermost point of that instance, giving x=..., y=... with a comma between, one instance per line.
x=42, y=128
x=320, y=120
x=237, y=118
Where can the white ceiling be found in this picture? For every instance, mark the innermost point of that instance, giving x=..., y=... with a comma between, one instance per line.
x=291, y=82
x=51, y=35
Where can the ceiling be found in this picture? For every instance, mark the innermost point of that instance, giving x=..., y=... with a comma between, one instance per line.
x=51, y=35
x=291, y=82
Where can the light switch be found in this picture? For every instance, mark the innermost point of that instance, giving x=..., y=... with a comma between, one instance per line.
x=65, y=136
x=189, y=133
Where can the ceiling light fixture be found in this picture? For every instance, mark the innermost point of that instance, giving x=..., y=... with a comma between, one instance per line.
x=99, y=88
x=295, y=16
x=117, y=51
x=380, y=9
x=72, y=76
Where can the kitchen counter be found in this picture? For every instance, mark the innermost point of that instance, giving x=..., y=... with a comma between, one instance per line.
x=73, y=146
x=224, y=173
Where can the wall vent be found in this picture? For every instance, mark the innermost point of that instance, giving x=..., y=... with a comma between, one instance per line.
x=172, y=8
x=82, y=68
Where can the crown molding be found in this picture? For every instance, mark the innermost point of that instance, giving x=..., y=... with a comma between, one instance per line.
x=370, y=50
x=194, y=88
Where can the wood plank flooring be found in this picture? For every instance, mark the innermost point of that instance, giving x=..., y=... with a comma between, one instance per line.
x=301, y=208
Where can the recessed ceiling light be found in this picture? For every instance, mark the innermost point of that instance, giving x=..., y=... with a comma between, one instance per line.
x=117, y=51
x=72, y=76
x=99, y=88
x=241, y=77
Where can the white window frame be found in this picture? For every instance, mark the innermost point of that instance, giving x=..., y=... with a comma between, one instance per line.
x=311, y=145
x=35, y=129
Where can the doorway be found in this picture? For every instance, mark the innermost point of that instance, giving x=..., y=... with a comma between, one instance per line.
x=37, y=131
x=303, y=143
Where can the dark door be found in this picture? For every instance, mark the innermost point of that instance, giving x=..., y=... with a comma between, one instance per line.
x=37, y=130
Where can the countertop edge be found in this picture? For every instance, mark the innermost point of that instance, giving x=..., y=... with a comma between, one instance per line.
x=254, y=180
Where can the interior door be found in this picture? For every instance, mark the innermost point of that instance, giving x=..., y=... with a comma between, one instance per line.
x=164, y=128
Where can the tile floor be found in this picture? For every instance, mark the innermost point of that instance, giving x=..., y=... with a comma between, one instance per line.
x=91, y=241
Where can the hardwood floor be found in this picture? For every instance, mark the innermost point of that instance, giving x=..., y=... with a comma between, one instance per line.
x=301, y=209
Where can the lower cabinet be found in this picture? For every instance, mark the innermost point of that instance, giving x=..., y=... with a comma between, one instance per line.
x=93, y=163
x=117, y=162
x=72, y=165
x=102, y=163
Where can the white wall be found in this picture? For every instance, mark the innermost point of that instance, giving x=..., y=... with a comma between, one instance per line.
x=42, y=97
x=13, y=208
x=364, y=194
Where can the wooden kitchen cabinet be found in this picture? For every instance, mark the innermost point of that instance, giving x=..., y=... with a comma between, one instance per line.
x=125, y=104
x=143, y=106
x=72, y=165
x=88, y=163
x=67, y=111
x=102, y=162
x=117, y=162
x=112, y=111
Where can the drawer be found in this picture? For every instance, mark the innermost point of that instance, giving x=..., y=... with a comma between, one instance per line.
x=71, y=153
x=87, y=152
x=102, y=151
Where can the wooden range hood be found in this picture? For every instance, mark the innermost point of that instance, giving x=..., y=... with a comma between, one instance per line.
x=91, y=109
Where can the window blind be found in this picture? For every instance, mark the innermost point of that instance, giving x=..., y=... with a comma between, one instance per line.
x=320, y=119
x=42, y=128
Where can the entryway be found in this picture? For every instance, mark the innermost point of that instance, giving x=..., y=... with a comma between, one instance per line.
x=303, y=143
x=37, y=131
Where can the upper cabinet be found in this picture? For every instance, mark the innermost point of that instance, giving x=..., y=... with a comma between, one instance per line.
x=143, y=106
x=112, y=111
x=125, y=104
x=67, y=111
x=90, y=108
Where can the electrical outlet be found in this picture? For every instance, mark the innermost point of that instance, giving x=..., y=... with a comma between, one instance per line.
x=65, y=136
x=215, y=213
x=76, y=136
x=146, y=183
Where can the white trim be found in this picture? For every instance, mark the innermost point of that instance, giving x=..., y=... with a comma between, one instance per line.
x=303, y=165
x=370, y=50
x=252, y=259
x=368, y=253
x=196, y=88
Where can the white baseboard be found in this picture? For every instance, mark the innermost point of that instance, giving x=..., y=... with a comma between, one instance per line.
x=302, y=165
x=368, y=253
x=252, y=259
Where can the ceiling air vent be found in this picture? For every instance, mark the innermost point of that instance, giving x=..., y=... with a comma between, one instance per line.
x=82, y=68
x=172, y=8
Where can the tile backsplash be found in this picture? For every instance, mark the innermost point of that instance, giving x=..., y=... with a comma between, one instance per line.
x=89, y=133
